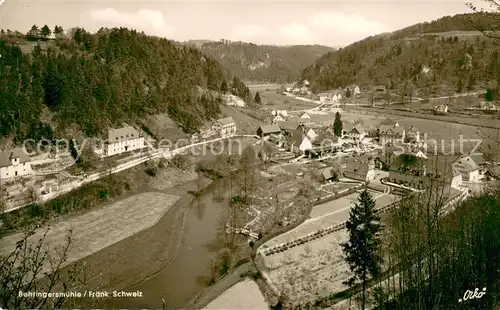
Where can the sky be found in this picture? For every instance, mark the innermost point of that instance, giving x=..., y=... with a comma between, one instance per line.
x=327, y=22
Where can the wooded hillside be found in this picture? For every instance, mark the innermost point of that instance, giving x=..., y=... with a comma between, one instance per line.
x=446, y=55
x=93, y=81
x=263, y=63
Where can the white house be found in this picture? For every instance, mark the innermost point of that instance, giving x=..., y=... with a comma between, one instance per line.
x=305, y=144
x=305, y=116
x=467, y=168
x=278, y=118
x=357, y=133
x=305, y=82
x=123, y=140
x=283, y=113
x=14, y=163
x=360, y=171
x=225, y=127
x=311, y=135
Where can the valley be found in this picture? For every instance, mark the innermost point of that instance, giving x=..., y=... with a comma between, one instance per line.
x=206, y=174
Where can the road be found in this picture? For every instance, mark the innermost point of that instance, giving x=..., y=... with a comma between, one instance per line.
x=80, y=181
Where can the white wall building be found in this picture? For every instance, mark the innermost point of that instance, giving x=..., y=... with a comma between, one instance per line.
x=305, y=116
x=305, y=144
x=225, y=127
x=14, y=163
x=123, y=140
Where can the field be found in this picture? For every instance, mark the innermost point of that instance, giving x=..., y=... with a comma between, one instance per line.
x=272, y=100
x=244, y=295
x=316, y=268
x=101, y=228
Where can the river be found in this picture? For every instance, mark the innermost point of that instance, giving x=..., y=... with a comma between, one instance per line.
x=178, y=282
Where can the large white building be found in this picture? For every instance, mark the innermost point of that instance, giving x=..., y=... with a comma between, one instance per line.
x=123, y=140
x=225, y=127
x=14, y=163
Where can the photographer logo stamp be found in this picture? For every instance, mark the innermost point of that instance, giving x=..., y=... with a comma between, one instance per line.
x=468, y=295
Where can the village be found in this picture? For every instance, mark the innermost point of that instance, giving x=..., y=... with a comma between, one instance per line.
x=320, y=156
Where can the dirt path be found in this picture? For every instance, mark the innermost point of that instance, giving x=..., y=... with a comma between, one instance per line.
x=212, y=292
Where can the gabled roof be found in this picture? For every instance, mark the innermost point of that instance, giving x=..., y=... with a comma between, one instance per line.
x=296, y=139
x=466, y=164
x=274, y=128
x=434, y=165
x=413, y=129
x=122, y=134
x=288, y=125
x=347, y=127
x=357, y=167
x=226, y=121
x=478, y=158
x=7, y=156
x=327, y=173
x=390, y=130
x=358, y=128
x=325, y=138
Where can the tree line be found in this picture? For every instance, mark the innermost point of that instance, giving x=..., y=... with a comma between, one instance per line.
x=93, y=81
x=423, y=255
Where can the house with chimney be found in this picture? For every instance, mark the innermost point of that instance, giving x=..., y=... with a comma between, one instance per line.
x=121, y=140
x=360, y=170
x=14, y=164
x=225, y=127
x=421, y=172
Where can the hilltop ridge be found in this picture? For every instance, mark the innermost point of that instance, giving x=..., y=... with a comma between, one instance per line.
x=443, y=56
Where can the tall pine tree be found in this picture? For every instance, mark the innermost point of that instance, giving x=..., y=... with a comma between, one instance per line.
x=362, y=250
x=257, y=99
x=337, y=125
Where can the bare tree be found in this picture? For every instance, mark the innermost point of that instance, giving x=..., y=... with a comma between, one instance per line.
x=29, y=268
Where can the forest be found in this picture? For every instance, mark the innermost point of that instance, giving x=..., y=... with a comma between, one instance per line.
x=263, y=63
x=90, y=82
x=446, y=55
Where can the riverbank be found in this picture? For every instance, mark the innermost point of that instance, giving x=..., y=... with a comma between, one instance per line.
x=141, y=256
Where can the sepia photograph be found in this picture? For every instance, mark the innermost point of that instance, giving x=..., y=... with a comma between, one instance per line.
x=250, y=154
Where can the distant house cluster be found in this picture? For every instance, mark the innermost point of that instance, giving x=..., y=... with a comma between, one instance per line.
x=14, y=164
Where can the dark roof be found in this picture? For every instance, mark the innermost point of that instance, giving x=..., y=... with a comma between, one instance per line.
x=358, y=167
x=296, y=139
x=323, y=137
x=388, y=129
x=288, y=125
x=274, y=128
x=358, y=128
x=434, y=165
x=7, y=156
x=327, y=173
x=478, y=158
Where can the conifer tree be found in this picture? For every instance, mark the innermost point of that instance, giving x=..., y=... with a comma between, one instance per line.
x=337, y=125
x=257, y=99
x=362, y=250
